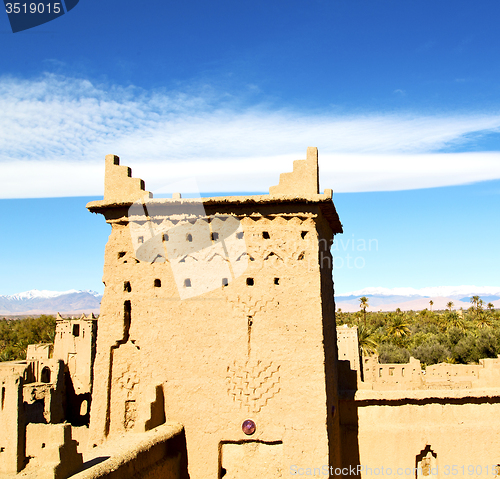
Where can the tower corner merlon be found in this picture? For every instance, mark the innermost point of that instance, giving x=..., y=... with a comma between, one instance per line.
x=303, y=180
x=119, y=186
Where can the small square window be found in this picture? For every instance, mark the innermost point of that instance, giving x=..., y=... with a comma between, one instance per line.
x=127, y=287
x=157, y=283
x=215, y=236
x=250, y=281
x=187, y=283
x=276, y=281
x=225, y=281
x=189, y=237
x=76, y=330
x=303, y=234
x=140, y=239
x=165, y=237
x=239, y=235
x=265, y=235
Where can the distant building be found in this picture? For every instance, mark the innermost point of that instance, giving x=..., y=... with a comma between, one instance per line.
x=37, y=398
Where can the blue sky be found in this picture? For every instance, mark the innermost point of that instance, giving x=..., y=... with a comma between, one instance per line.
x=401, y=97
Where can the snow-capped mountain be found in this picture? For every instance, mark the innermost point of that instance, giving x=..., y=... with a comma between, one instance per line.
x=40, y=302
x=388, y=299
x=35, y=293
x=449, y=291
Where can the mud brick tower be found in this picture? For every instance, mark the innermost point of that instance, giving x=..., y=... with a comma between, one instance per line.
x=220, y=316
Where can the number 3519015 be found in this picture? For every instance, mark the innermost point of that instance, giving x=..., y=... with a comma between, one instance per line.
x=33, y=7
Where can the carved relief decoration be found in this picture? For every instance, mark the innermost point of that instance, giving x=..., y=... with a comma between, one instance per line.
x=128, y=381
x=253, y=384
x=247, y=305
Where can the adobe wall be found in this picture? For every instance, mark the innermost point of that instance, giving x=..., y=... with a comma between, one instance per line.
x=156, y=454
x=44, y=392
x=459, y=429
x=260, y=346
x=74, y=343
x=39, y=351
x=348, y=346
x=436, y=418
x=410, y=376
x=12, y=424
x=51, y=451
x=35, y=399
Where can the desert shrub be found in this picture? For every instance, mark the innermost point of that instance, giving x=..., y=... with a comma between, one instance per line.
x=487, y=344
x=390, y=353
x=465, y=351
x=431, y=353
x=423, y=337
x=454, y=335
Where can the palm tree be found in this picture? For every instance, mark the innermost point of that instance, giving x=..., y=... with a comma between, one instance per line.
x=431, y=303
x=449, y=305
x=340, y=316
x=483, y=321
x=491, y=307
x=475, y=303
x=453, y=320
x=367, y=341
x=398, y=328
x=363, y=304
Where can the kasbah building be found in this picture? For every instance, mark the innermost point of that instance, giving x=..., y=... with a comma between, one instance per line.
x=216, y=356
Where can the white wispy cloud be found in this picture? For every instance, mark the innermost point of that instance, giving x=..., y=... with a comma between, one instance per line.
x=55, y=131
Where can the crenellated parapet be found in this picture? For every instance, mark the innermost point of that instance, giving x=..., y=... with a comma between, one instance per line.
x=119, y=186
x=303, y=180
x=411, y=376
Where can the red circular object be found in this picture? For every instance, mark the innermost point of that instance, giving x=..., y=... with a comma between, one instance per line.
x=248, y=427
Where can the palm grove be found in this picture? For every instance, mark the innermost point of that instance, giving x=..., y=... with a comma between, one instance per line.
x=451, y=336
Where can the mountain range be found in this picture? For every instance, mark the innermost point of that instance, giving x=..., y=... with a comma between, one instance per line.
x=50, y=302
x=389, y=299
x=384, y=299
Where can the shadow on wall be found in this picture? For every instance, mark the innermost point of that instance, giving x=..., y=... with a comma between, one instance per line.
x=77, y=405
x=348, y=410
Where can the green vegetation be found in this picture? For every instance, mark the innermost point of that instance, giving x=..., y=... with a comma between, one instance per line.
x=17, y=334
x=460, y=337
